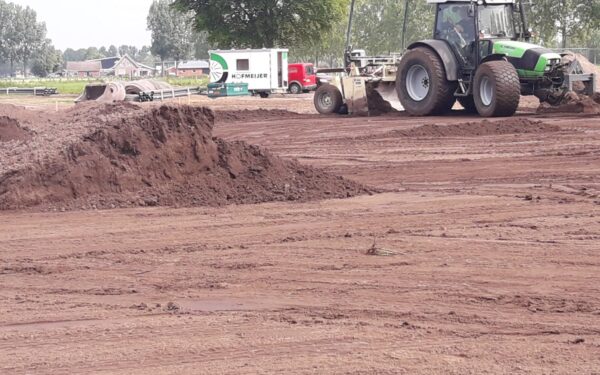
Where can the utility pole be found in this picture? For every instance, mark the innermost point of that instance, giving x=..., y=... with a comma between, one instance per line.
x=349, y=33
x=405, y=24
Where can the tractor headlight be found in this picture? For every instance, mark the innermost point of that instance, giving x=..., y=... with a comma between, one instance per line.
x=551, y=64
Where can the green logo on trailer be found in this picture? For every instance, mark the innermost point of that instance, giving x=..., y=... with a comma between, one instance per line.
x=219, y=70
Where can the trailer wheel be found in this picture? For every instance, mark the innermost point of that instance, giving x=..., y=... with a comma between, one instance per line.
x=496, y=89
x=328, y=99
x=468, y=103
x=295, y=89
x=421, y=83
x=263, y=94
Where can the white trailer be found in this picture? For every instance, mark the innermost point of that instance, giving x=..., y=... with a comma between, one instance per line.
x=264, y=70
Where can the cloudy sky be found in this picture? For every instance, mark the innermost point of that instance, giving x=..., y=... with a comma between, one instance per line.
x=86, y=23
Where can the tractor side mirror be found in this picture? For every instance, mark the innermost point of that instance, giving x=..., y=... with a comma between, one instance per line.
x=472, y=10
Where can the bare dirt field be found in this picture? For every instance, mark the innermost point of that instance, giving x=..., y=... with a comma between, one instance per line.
x=478, y=253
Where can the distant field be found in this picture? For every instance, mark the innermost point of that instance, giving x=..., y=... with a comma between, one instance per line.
x=70, y=86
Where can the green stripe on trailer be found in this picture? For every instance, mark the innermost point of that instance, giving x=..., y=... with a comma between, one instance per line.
x=219, y=59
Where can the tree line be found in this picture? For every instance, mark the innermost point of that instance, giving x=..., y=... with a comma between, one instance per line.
x=314, y=30
x=23, y=40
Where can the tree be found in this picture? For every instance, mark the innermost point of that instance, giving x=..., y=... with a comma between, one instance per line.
x=201, y=45
x=564, y=20
x=263, y=23
x=171, y=29
x=378, y=24
x=183, y=37
x=377, y=28
x=5, y=22
x=103, y=51
x=145, y=56
x=113, y=51
x=11, y=38
x=30, y=34
x=74, y=55
x=92, y=53
x=48, y=60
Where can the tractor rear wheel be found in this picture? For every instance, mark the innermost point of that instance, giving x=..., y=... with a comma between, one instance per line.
x=421, y=83
x=496, y=89
x=328, y=99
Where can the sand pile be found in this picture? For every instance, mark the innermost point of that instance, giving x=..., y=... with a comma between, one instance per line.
x=124, y=156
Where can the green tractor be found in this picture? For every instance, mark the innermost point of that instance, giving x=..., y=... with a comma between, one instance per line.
x=479, y=56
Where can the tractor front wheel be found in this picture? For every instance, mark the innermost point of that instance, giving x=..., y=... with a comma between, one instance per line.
x=496, y=89
x=421, y=83
x=328, y=99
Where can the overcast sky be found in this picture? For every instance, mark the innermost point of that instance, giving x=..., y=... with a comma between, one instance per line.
x=93, y=23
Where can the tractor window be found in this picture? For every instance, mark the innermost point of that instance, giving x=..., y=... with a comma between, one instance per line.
x=456, y=25
x=496, y=21
x=310, y=70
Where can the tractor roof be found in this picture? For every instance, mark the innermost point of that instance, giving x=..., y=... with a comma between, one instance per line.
x=473, y=1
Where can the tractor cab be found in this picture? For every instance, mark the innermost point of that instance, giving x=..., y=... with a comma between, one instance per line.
x=470, y=28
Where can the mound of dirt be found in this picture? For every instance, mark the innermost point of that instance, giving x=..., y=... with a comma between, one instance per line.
x=479, y=128
x=574, y=103
x=10, y=130
x=159, y=156
x=377, y=104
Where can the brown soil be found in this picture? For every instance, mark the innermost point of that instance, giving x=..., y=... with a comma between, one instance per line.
x=248, y=115
x=10, y=130
x=377, y=105
x=481, y=258
x=161, y=156
x=479, y=128
x=574, y=103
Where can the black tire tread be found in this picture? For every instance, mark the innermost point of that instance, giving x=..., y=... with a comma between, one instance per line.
x=336, y=96
x=508, y=89
x=443, y=97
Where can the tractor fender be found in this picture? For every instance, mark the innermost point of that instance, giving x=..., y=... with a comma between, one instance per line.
x=442, y=49
x=494, y=57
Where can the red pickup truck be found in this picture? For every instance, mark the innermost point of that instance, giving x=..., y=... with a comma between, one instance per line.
x=302, y=78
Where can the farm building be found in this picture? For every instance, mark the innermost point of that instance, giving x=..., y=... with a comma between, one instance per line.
x=194, y=68
x=123, y=66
